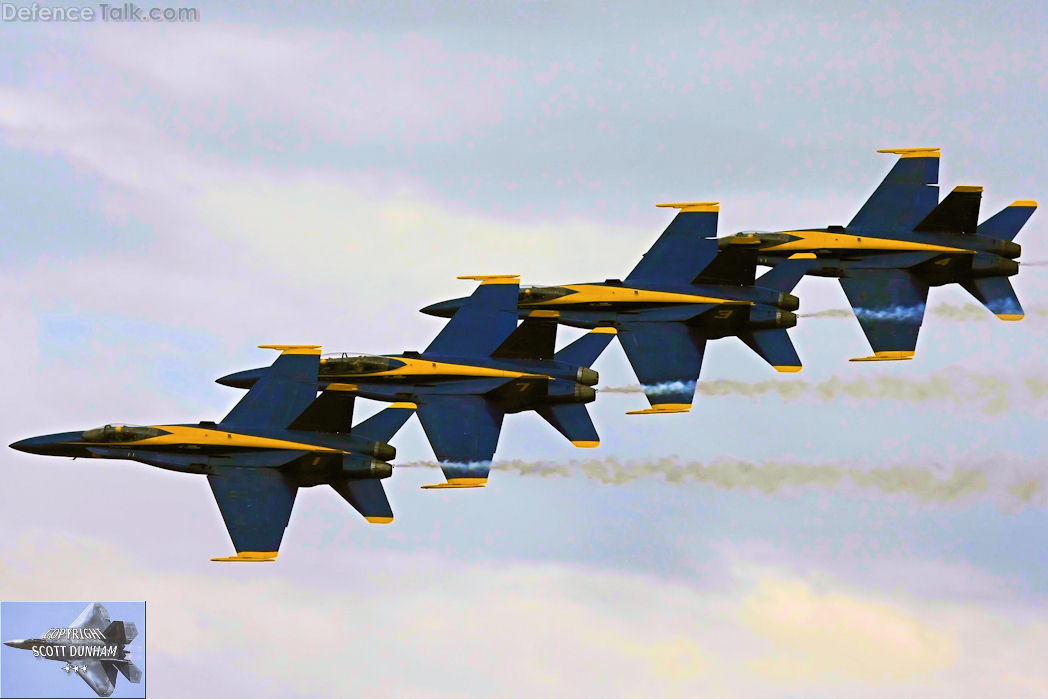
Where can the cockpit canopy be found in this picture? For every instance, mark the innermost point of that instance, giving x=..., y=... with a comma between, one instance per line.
x=538, y=294
x=121, y=433
x=340, y=364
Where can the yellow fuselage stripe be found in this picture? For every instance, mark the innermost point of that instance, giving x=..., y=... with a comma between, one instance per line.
x=825, y=240
x=219, y=438
x=600, y=293
x=422, y=367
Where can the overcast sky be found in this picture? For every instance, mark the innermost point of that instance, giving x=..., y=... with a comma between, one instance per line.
x=174, y=195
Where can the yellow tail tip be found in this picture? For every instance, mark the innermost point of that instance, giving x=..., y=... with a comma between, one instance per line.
x=913, y=152
x=379, y=520
x=693, y=206
x=293, y=349
x=787, y=369
x=1010, y=316
x=249, y=557
x=586, y=444
x=406, y=405
x=604, y=330
x=493, y=278
x=885, y=356
x=660, y=408
x=1024, y=202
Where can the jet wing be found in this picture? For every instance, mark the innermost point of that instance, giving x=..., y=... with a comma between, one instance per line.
x=684, y=249
x=94, y=616
x=667, y=358
x=483, y=322
x=889, y=304
x=256, y=506
x=283, y=392
x=464, y=432
x=99, y=676
x=908, y=193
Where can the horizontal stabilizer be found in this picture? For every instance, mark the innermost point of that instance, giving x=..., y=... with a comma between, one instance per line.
x=573, y=421
x=997, y=294
x=381, y=426
x=684, y=249
x=584, y=351
x=957, y=213
x=906, y=194
x=129, y=670
x=483, y=322
x=368, y=497
x=775, y=347
x=1006, y=223
x=785, y=275
x=535, y=338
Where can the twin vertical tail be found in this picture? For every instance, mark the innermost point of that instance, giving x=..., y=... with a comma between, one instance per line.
x=573, y=419
x=1006, y=223
x=996, y=293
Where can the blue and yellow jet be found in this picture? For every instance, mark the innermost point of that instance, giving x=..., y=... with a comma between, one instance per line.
x=903, y=241
x=280, y=437
x=682, y=293
x=480, y=367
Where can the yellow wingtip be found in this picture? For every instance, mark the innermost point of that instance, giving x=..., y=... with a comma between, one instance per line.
x=660, y=408
x=885, y=356
x=458, y=483
x=249, y=557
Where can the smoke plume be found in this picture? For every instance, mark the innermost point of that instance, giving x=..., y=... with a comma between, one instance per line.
x=966, y=312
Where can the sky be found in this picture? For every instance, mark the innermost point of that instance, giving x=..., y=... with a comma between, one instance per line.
x=22, y=675
x=173, y=195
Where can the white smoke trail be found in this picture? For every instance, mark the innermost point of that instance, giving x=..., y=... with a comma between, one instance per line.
x=991, y=393
x=1015, y=487
x=968, y=312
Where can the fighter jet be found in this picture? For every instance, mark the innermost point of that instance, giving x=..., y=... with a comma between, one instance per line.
x=93, y=647
x=280, y=437
x=903, y=241
x=682, y=293
x=478, y=368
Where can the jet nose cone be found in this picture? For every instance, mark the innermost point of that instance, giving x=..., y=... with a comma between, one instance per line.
x=18, y=643
x=33, y=445
x=241, y=379
x=443, y=309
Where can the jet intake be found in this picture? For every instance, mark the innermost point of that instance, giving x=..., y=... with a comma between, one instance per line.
x=587, y=376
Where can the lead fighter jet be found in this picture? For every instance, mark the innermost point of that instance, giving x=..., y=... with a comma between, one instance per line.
x=478, y=368
x=681, y=294
x=903, y=241
x=92, y=646
x=280, y=437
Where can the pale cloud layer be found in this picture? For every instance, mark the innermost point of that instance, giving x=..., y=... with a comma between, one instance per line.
x=416, y=624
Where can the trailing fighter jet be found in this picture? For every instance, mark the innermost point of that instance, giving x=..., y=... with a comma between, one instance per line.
x=903, y=241
x=280, y=437
x=681, y=294
x=92, y=646
x=480, y=367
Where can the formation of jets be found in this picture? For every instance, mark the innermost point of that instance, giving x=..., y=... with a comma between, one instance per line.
x=690, y=287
